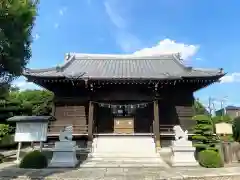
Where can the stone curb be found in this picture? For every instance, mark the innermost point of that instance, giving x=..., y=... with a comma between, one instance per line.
x=229, y=173
x=184, y=177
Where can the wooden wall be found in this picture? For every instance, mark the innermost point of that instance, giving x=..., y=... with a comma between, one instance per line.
x=175, y=107
x=67, y=113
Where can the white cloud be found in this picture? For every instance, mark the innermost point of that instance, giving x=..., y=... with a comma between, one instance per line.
x=234, y=77
x=23, y=84
x=199, y=59
x=36, y=37
x=168, y=46
x=62, y=11
x=115, y=17
x=127, y=41
x=56, y=25
x=89, y=2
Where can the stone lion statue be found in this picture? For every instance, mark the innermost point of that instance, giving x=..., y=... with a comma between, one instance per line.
x=179, y=133
x=66, y=134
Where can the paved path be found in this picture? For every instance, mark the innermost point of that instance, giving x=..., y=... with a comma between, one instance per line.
x=7, y=171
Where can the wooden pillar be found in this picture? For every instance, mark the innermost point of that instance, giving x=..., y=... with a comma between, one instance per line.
x=156, y=128
x=90, y=120
x=53, y=109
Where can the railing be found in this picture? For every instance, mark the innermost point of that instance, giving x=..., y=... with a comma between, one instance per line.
x=166, y=129
x=163, y=129
x=77, y=129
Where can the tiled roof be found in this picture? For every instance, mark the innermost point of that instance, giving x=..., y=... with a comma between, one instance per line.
x=95, y=66
x=232, y=108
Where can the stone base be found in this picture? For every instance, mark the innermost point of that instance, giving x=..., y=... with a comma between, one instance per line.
x=184, y=164
x=63, y=159
x=64, y=155
x=183, y=156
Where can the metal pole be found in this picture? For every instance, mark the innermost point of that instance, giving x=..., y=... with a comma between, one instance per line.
x=41, y=146
x=18, y=152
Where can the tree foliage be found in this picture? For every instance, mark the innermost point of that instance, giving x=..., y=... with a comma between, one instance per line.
x=17, y=20
x=204, y=137
x=28, y=102
x=236, y=129
x=199, y=109
x=224, y=118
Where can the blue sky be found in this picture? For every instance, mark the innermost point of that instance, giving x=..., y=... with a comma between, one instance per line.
x=205, y=32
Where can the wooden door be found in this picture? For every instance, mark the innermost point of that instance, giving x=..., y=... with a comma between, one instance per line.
x=124, y=125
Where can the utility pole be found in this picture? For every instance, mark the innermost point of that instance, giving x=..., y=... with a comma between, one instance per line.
x=210, y=99
x=222, y=102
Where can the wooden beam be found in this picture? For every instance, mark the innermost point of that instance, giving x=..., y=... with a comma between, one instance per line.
x=90, y=120
x=156, y=128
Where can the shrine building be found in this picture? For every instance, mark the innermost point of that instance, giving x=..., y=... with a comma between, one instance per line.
x=102, y=94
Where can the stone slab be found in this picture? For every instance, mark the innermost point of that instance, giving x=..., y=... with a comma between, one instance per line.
x=138, y=173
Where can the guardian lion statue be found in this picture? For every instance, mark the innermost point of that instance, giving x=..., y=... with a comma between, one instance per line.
x=66, y=134
x=179, y=133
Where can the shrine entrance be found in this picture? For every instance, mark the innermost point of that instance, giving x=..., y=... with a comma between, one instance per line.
x=124, y=119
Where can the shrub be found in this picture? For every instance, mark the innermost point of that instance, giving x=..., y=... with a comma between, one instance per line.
x=236, y=129
x=1, y=158
x=204, y=137
x=210, y=159
x=4, y=130
x=34, y=160
x=8, y=142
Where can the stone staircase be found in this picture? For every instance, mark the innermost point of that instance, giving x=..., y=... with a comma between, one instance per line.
x=124, y=151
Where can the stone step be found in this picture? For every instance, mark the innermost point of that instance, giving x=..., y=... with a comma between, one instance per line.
x=125, y=155
x=126, y=160
x=124, y=144
x=119, y=151
x=124, y=151
x=122, y=165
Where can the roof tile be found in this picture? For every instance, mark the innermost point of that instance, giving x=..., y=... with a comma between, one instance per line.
x=123, y=66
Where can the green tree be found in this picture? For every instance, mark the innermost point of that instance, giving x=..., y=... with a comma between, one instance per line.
x=28, y=102
x=198, y=108
x=225, y=118
x=16, y=23
x=204, y=137
x=236, y=129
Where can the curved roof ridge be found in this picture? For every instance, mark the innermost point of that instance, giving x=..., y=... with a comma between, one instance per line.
x=121, y=56
x=220, y=70
x=64, y=65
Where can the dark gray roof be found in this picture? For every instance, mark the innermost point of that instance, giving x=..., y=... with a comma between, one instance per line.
x=95, y=66
x=232, y=108
x=30, y=118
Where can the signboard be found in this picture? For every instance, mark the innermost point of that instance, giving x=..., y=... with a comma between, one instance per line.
x=31, y=131
x=223, y=128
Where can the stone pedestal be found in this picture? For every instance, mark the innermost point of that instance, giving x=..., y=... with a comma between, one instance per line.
x=183, y=153
x=64, y=155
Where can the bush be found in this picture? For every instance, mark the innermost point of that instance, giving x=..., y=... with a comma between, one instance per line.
x=236, y=129
x=4, y=130
x=210, y=159
x=7, y=142
x=204, y=137
x=1, y=158
x=34, y=160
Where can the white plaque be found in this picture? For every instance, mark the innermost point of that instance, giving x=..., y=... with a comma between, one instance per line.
x=30, y=132
x=223, y=128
